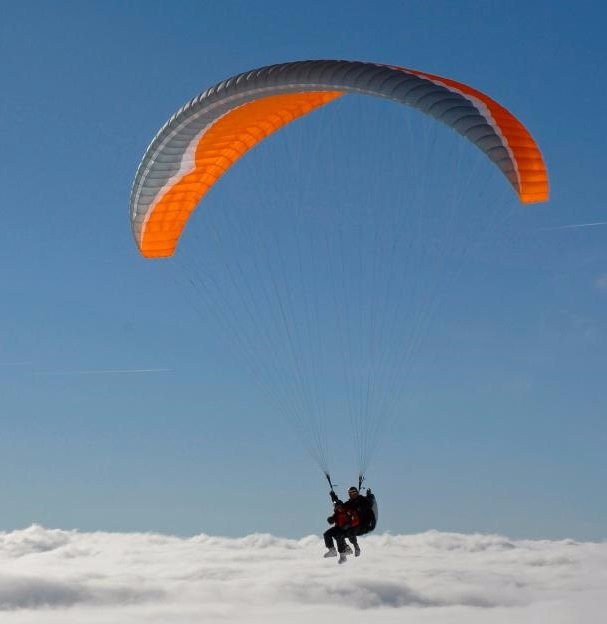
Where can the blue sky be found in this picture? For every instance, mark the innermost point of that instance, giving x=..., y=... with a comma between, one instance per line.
x=505, y=428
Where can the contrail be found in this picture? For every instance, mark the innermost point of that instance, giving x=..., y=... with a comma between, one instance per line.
x=116, y=371
x=575, y=225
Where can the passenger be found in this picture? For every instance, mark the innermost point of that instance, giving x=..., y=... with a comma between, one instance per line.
x=344, y=520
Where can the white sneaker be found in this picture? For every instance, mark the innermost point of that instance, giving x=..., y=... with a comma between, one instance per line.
x=348, y=550
x=356, y=551
x=330, y=553
x=342, y=558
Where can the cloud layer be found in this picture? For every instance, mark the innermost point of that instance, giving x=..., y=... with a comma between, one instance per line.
x=54, y=576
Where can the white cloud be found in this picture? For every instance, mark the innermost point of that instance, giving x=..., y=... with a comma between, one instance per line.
x=53, y=576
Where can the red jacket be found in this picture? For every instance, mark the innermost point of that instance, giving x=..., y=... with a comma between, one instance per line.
x=345, y=518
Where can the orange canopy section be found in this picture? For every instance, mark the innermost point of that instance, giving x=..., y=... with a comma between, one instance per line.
x=533, y=177
x=217, y=150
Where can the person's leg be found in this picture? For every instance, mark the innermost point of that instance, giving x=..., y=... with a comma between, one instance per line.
x=328, y=535
x=340, y=538
x=354, y=540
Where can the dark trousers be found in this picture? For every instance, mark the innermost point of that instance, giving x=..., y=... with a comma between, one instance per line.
x=339, y=535
x=351, y=535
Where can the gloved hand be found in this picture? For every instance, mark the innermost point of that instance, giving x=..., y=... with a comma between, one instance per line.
x=330, y=520
x=369, y=493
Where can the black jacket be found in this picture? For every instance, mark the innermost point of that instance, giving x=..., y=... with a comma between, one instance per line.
x=360, y=503
x=363, y=506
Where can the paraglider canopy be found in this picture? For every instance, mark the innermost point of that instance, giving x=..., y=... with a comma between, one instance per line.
x=212, y=131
